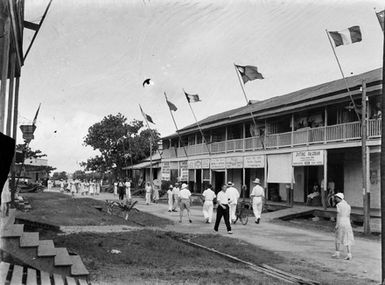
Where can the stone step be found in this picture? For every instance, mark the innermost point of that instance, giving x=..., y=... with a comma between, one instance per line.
x=46, y=248
x=31, y=277
x=4, y=267
x=14, y=230
x=78, y=268
x=29, y=239
x=17, y=275
x=62, y=258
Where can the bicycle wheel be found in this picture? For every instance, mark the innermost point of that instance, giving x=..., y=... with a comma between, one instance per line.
x=243, y=217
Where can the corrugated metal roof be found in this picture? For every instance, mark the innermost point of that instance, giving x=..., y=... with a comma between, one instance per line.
x=305, y=97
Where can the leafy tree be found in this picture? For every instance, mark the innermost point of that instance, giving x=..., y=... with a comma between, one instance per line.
x=119, y=143
x=79, y=174
x=60, y=175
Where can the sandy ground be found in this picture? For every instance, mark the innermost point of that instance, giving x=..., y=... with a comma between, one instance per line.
x=309, y=246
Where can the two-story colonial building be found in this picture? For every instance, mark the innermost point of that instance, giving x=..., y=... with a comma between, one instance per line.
x=298, y=140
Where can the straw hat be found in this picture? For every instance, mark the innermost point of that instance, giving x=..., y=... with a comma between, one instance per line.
x=184, y=186
x=257, y=181
x=340, y=195
x=230, y=183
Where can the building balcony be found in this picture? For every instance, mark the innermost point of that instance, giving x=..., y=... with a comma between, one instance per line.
x=302, y=137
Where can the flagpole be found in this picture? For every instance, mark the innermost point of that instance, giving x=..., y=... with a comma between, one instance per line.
x=176, y=127
x=151, y=141
x=342, y=73
x=200, y=129
x=247, y=101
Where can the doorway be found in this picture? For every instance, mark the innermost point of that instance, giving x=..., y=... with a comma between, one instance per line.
x=219, y=180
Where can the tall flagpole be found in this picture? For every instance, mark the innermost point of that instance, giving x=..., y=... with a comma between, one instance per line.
x=247, y=101
x=151, y=141
x=343, y=75
x=200, y=129
x=176, y=127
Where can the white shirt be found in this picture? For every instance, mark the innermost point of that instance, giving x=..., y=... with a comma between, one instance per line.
x=234, y=194
x=209, y=194
x=223, y=198
x=127, y=184
x=148, y=188
x=175, y=191
x=257, y=193
x=169, y=193
x=184, y=194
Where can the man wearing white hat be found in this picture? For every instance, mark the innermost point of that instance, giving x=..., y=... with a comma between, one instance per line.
x=234, y=196
x=257, y=195
x=343, y=229
x=184, y=202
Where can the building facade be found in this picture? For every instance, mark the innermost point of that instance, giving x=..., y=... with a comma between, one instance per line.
x=311, y=137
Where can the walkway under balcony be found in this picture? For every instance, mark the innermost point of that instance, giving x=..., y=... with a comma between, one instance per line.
x=302, y=137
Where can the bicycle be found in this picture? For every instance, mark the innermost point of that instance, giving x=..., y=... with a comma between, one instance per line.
x=242, y=212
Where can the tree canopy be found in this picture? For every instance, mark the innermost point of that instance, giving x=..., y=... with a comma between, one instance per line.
x=119, y=143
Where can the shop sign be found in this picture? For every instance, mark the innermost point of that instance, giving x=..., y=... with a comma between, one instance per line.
x=194, y=164
x=173, y=165
x=205, y=163
x=166, y=176
x=166, y=171
x=190, y=164
x=183, y=174
x=183, y=164
x=305, y=158
x=254, y=161
x=234, y=162
x=218, y=163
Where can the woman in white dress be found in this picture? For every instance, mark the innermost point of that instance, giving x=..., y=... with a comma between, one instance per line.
x=5, y=199
x=73, y=188
x=115, y=188
x=343, y=229
x=92, y=187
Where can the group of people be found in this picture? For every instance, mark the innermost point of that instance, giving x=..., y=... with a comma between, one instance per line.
x=227, y=200
x=122, y=188
x=83, y=187
x=152, y=193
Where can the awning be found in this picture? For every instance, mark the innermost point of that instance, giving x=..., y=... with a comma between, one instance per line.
x=280, y=169
x=142, y=165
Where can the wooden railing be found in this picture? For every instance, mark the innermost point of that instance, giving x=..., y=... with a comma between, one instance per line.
x=308, y=136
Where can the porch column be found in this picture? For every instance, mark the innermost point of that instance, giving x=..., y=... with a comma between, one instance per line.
x=265, y=178
x=324, y=189
x=226, y=138
x=325, y=124
x=244, y=136
x=292, y=130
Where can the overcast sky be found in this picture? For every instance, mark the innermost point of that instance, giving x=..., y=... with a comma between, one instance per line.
x=91, y=57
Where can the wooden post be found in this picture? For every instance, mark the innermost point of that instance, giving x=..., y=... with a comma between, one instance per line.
x=325, y=125
x=14, y=136
x=10, y=93
x=4, y=72
x=324, y=191
x=292, y=130
x=364, y=166
x=382, y=166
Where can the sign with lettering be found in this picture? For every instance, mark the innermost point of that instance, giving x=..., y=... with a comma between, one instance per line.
x=218, y=163
x=205, y=163
x=183, y=174
x=234, y=162
x=166, y=171
x=254, y=161
x=307, y=158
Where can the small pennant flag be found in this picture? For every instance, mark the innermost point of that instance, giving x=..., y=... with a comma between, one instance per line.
x=380, y=17
x=146, y=117
x=191, y=98
x=248, y=72
x=347, y=36
x=37, y=113
x=171, y=106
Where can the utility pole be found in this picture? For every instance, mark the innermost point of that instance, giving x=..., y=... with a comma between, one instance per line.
x=365, y=190
x=383, y=165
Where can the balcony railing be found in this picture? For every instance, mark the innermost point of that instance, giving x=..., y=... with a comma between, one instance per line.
x=308, y=136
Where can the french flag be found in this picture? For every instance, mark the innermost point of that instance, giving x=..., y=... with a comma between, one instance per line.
x=347, y=36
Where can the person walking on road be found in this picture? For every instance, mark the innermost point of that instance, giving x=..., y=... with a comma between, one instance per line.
x=175, y=193
x=208, y=206
x=343, y=229
x=115, y=188
x=184, y=202
x=170, y=198
x=127, y=184
x=223, y=200
x=148, y=193
x=257, y=195
x=234, y=196
x=121, y=189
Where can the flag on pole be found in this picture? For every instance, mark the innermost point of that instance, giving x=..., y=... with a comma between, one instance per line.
x=146, y=117
x=37, y=113
x=348, y=36
x=191, y=98
x=380, y=17
x=171, y=106
x=248, y=72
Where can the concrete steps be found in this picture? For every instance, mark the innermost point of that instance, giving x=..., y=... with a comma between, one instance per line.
x=36, y=253
x=13, y=274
